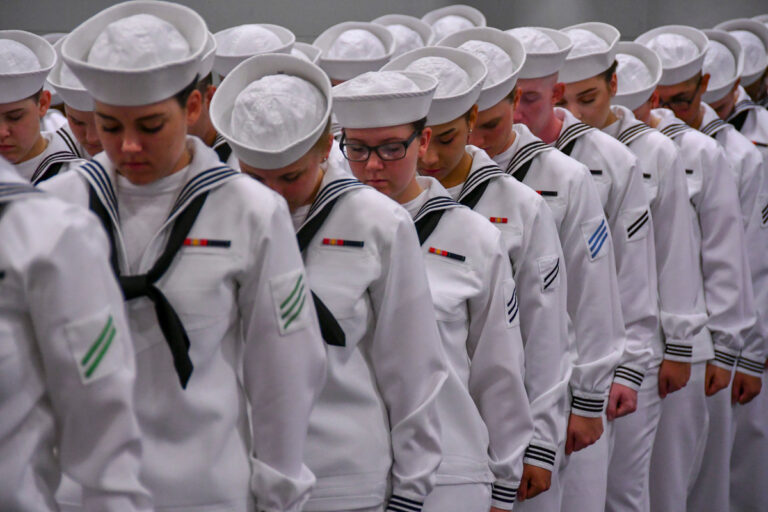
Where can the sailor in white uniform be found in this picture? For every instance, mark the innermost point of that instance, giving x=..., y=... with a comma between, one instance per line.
x=36, y=156
x=758, y=90
x=363, y=262
x=596, y=331
x=453, y=18
x=532, y=242
x=750, y=450
x=483, y=408
x=66, y=359
x=79, y=133
x=229, y=355
x=679, y=281
x=686, y=428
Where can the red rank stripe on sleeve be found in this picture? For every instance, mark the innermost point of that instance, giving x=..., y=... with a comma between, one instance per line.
x=343, y=243
x=451, y=255
x=206, y=242
x=499, y=220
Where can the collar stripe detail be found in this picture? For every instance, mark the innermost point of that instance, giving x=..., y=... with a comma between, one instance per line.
x=633, y=132
x=571, y=133
x=526, y=153
x=479, y=177
x=435, y=204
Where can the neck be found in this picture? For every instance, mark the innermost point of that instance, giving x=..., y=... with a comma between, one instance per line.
x=318, y=184
x=510, y=140
x=411, y=192
x=38, y=147
x=552, y=129
x=210, y=135
x=460, y=173
x=609, y=119
x=696, y=123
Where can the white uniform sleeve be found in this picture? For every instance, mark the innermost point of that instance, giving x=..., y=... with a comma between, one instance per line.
x=727, y=284
x=409, y=365
x=541, y=277
x=631, y=225
x=593, y=299
x=678, y=277
x=496, y=385
x=283, y=362
x=754, y=203
x=88, y=361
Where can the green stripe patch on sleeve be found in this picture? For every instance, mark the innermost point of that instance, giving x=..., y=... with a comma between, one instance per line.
x=289, y=293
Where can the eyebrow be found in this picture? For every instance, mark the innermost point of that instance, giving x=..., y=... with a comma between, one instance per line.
x=491, y=121
x=141, y=119
x=447, y=132
x=588, y=91
x=14, y=111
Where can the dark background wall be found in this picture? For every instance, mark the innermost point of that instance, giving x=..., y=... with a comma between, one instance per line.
x=307, y=18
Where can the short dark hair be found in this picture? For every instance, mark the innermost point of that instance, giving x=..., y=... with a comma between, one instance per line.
x=36, y=97
x=183, y=95
x=511, y=95
x=203, y=83
x=419, y=125
x=608, y=73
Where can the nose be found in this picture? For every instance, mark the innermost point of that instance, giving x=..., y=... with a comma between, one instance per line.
x=374, y=162
x=91, y=135
x=5, y=130
x=476, y=138
x=430, y=158
x=131, y=142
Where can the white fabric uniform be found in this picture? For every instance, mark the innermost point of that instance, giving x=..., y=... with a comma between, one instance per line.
x=483, y=406
x=199, y=454
x=365, y=431
x=711, y=488
x=56, y=158
x=682, y=431
x=530, y=237
x=52, y=121
x=596, y=329
x=66, y=366
x=679, y=282
x=66, y=135
x=617, y=177
x=750, y=449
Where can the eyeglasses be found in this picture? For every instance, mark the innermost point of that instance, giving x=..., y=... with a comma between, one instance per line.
x=681, y=103
x=390, y=151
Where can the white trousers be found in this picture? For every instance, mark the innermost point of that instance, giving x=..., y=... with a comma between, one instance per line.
x=459, y=498
x=632, y=444
x=712, y=485
x=679, y=446
x=552, y=499
x=585, y=477
x=749, y=459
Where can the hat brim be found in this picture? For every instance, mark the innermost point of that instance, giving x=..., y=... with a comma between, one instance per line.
x=635, y=99
x=538, y=65
x=224, y=64
x=686, y=70
x=346, y=69
x=19, y=86
x=580, y=68
x=713, y=94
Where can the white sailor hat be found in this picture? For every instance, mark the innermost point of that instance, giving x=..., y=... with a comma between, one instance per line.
x=450, y=19
x=103, y=55
x=680, y=48
x=638, y=72
x=379, y=99
x=409, y=32
x=723, y=61
x=753, y=36
x=503, y=55
x=235, y=44
x=209, y=54
x=306, y=51
x=272, y=108
x=354, y=47
x=52, y=38
x=67, y=85
x=25, y=61
x=545, y=50
x=762, y=18
x=593, y=52
x=460, y=76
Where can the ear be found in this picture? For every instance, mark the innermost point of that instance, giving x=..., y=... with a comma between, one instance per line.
x=558, y=91
x=655, y=99
x=704, y=82
x=516, y=100
x=328, y=147
x=472, y=121
x=209, y=91
x=44, y=103
x=426, y=136
x=194, y=107
x=613, y=85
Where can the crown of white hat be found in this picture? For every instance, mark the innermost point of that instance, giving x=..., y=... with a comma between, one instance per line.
x=345, y=68
x=638, y=73
x=235, y=44
x=132, y=85
x=453, y=18
x=404, y=39
x=545, y=50
x=454, y=99
x=283, y=152
x=680, y=48
x=379, y=99
x=724, y=61
x=593, y=52
x=755, y=47
x=502, y=72
x=306, y=51
x=28, y=77
x=71, y=90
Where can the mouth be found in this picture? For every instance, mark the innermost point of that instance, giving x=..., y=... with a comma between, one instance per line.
x=6, y=148
x=135, y=166
x=376, y=183
x=430, y=171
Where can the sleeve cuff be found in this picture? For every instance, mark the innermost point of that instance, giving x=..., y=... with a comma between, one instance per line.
x=724, y=359
x=629, y=377
x=750, y=366
x=503, y=495
x=400, y=504
x=540, y=456
x=678, y=352
x=588, y=405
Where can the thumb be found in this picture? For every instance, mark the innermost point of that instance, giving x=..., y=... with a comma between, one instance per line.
x=663, y=387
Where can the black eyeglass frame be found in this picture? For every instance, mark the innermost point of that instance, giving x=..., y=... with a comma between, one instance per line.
x=405, y=144
x=682, y=103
